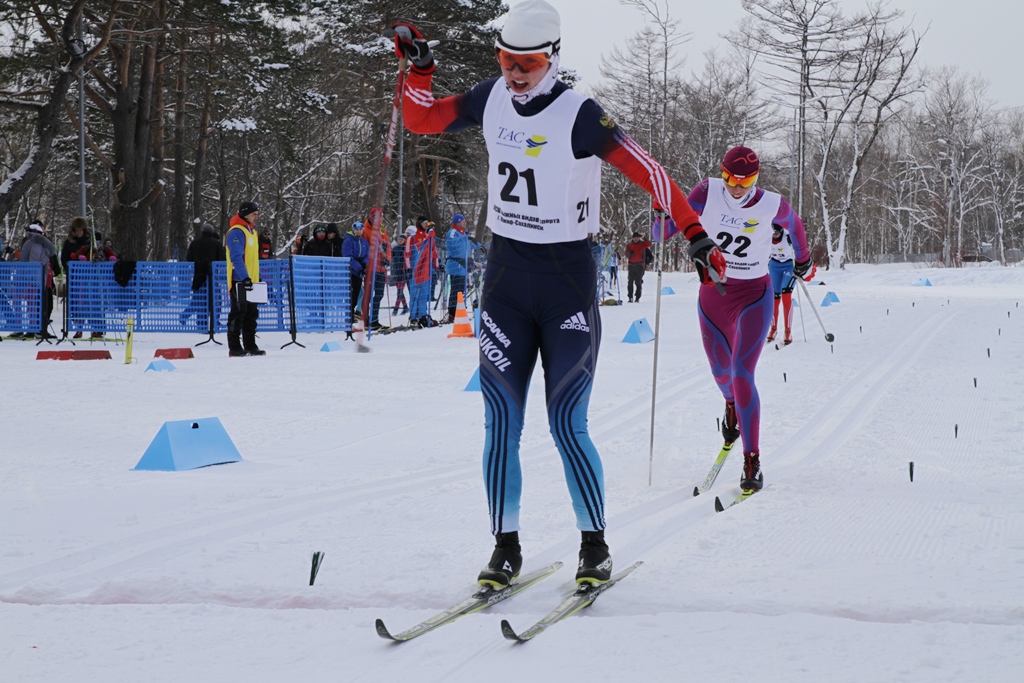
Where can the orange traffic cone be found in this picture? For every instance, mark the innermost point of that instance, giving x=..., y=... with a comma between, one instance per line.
x=463, y=328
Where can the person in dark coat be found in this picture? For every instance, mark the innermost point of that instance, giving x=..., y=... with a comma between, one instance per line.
x=319, y=245
x=79, y=236
x=334, y=238
x=203, y=251
x=399, y=273
x=37, y=249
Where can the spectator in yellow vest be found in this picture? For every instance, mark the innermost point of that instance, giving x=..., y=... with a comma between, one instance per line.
x=243, y=251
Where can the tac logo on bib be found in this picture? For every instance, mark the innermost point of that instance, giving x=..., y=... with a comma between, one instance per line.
x=750, y=225
x=535, y=145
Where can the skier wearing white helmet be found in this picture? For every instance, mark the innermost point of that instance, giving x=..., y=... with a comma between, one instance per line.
x=545, y=144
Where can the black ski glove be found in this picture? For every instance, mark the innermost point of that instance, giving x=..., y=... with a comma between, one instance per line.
x=800, y=268
x=411, y=44
x=247, y=284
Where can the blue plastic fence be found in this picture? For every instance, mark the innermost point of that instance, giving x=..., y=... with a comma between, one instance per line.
x=274, y=316
x=21, y=297
x=322, y=294
x=159, y=297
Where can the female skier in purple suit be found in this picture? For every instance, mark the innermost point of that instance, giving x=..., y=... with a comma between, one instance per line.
x=738, y=215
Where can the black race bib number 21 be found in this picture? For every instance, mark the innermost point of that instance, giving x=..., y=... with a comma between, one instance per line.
x=505, y=168
x=508, y=192
x=584, y=209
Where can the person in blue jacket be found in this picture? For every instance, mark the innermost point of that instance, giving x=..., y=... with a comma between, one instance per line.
x=455, y=265
x=356, y=248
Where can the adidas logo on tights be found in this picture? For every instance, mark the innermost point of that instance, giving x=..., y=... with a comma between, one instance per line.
x=577, y=322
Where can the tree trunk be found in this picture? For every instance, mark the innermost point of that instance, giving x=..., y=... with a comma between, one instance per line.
x=132, y=118
x=48, y=118
x=178, y=227
x=202, y=146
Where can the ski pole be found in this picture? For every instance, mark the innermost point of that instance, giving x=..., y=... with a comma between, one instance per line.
x=801, y=307
x=377, y=213
x=828, y=335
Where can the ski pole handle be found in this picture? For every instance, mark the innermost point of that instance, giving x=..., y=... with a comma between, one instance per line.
x=713, y=274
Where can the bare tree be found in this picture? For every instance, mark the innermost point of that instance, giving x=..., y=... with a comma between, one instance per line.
x=948, y=155
x=866, y=89
x=798, y=41
x=1002, y=147
x=65, y=60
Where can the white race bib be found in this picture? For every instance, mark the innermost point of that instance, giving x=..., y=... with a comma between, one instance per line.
x=783, y=251
x=538, y=191
x=743, y=234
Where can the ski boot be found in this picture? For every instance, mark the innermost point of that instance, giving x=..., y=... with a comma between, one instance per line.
x=249, y=344
x=771, y=334
x=730, y=424
x=752, y=479
x=788, y=339
x=506, y=561
x=595, y=561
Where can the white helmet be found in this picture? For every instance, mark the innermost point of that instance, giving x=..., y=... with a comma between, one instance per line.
x=410, y=231
x=531, y=26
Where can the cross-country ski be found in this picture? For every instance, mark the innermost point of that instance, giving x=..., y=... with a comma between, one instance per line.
x=582, y=597
x=482, y=599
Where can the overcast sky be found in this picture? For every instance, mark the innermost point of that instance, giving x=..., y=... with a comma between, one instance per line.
x=982, y=37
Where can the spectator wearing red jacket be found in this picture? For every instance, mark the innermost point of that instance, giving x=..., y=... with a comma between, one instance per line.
x=635, y=251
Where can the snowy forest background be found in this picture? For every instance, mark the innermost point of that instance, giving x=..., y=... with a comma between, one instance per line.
x=192, y=106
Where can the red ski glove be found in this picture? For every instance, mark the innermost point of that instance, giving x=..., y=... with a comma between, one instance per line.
x=411, y=44
x=805, y=270
x=709, y=261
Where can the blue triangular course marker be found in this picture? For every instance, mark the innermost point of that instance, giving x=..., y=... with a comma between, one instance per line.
x=667, y=291
x=831, y=296
x=161, y=365
x=474, y=382
x=189, y=444
x=826, y=302
x=330, y=346
x=640, y=332
x=922, y=282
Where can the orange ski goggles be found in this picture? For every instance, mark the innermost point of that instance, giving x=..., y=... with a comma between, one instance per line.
x=526, y=62
x=734, y=180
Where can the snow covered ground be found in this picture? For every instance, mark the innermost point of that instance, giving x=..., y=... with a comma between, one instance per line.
x=841, y=570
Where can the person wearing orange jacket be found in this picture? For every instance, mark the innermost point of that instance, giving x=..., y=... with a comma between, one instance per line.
x=242, y=248
x=380, y=278
x=635, y=251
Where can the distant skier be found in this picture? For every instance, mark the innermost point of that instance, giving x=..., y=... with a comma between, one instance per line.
x=545, y=143
x=733, y=326
x=780, y=267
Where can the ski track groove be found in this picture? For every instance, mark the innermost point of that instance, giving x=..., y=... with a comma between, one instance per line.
x=80, y=570
x=826, y=430
x=831, y=425
x=829, y=428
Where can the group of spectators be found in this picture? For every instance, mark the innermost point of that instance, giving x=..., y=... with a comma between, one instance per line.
x=412, y=259
x=80, y=244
